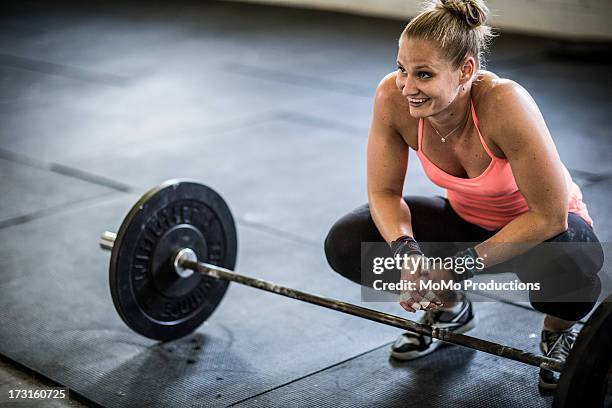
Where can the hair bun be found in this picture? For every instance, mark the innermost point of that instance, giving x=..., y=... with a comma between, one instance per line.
x=472, y=12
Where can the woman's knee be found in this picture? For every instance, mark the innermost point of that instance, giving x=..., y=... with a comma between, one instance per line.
x=576, y=255
x=343, y=242
x=336, y=246
x=580, y=243
x=342, y=248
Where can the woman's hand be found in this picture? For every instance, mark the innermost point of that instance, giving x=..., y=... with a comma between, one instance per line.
x=439, y=274
x=416, y=299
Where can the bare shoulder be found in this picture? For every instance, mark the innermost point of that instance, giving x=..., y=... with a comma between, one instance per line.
x=495, y=93
x=392, y=108
x=493, y=85
x=500, y=103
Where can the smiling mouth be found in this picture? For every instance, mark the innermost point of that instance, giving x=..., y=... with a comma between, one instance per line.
x=417, y=101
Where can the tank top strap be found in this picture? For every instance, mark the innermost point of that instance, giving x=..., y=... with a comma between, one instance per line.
x=482, y=141
x=420, y=134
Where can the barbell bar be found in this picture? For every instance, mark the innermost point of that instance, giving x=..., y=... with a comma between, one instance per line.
x=185, y=259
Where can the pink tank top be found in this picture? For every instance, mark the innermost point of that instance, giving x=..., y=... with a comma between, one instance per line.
x=492, y=199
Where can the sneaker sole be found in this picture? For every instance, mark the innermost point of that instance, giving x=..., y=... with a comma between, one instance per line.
x=412, y=355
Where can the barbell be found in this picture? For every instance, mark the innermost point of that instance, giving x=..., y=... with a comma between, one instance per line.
x=172, y=260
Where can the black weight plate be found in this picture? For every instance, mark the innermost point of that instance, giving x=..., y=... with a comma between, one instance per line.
x=585, y=380
x=151, y=298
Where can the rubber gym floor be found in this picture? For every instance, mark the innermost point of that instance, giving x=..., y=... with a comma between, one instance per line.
x=270, y=106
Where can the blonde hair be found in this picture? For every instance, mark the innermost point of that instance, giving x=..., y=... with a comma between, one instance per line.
x=457, y=26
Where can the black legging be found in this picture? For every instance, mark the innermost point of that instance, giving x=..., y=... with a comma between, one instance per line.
x=434, y=220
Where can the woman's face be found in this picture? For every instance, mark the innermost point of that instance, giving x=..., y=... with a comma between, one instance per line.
x=427, y=81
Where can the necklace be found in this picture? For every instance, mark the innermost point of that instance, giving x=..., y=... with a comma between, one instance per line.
x=443, y=138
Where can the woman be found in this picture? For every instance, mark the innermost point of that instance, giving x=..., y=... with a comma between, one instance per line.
x=484, y=140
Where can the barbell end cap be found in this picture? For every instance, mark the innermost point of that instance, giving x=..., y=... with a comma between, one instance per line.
x=107, y=240
x=185, y=254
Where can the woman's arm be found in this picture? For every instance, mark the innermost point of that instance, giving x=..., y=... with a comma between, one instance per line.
x=387, y=161
x=520, y=132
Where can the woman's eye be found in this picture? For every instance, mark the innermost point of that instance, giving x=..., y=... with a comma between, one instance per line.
x=423, y=75
x=401, y=69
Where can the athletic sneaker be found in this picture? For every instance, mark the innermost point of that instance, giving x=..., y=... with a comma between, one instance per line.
x=555, y=345
x=459, y=319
